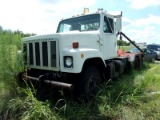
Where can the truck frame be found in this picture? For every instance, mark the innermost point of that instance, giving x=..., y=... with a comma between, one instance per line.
x=80, y=56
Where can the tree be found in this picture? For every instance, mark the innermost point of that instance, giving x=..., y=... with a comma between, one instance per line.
x=9, y=37
x=18, y=32
x=122, y=43
x=1, y=29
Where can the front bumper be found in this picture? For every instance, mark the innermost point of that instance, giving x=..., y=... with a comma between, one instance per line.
x=56, y=84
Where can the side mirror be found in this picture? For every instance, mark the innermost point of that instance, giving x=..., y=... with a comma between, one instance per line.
x=118, y=24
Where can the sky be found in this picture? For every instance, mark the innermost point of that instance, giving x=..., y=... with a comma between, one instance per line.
x=140, y=21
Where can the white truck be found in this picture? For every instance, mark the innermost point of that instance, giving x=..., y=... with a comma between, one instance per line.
x=79, y=56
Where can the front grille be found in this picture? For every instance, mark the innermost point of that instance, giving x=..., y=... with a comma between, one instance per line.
x=53, y=53
x=25, y=53
x=31, y=53
x=37, y=53
x=41, y=53
x=45, y=53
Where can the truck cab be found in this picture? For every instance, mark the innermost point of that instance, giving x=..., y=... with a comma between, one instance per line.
x=100, y=25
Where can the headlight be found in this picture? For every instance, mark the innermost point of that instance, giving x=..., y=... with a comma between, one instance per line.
x=68, y=61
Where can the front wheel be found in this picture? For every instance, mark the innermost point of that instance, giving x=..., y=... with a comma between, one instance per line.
x=90, y=83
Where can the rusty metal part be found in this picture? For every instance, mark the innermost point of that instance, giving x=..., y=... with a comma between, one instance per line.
x=122, y=53
x=56, y=84
x=60, y=85
x=32, y=78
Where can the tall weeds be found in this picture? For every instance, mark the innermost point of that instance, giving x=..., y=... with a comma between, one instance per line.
x=18, y=102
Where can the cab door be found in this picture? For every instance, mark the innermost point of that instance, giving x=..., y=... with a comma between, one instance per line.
x=109, y=38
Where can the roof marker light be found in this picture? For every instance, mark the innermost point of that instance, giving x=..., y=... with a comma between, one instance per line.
x=86, y=10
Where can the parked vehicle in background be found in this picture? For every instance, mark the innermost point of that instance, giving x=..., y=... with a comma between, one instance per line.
x=156, y=48
x=149, y=54
x=154, y=53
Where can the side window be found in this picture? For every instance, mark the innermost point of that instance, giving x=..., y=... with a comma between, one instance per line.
x=65, y=28
x=108, y=25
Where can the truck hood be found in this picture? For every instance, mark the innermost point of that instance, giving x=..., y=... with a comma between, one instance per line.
x=68, y=35
x=85, y=39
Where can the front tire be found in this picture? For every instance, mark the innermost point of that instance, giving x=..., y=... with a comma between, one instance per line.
x=91, y=81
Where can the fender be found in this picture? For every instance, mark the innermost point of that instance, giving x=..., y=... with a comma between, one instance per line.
x=79, y=57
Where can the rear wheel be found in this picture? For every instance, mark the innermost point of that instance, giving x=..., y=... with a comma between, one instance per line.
x=137, y=63
x=128, y=67
x=90, y=83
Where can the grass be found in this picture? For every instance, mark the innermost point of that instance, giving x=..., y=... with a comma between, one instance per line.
x=125, y=48
x=126, y=97
x=153, y=78
x=27, y=107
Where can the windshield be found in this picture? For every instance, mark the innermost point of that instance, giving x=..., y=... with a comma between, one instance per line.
x=84, y=23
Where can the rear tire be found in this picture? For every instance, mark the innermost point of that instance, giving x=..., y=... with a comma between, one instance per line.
x=137, y=63
x=128, y=67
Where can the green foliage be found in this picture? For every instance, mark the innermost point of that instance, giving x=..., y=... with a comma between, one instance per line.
x=26, y=107
x=10, y=66
x=122, y=43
